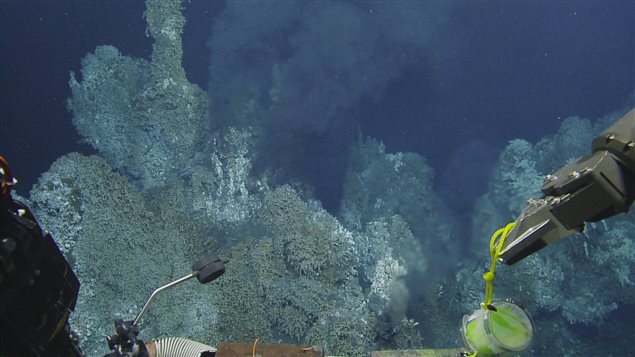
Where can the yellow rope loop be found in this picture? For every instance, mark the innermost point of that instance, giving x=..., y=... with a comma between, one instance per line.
x=495, y=247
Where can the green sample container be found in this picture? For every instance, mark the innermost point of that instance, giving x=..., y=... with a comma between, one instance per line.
x=507, y=329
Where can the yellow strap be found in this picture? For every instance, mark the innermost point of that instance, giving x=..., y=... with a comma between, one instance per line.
x=495, y=248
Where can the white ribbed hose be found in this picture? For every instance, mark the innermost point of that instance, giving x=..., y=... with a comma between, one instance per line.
x=180, y=347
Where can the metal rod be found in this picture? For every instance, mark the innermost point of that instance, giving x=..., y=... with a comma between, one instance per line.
x=156, y=291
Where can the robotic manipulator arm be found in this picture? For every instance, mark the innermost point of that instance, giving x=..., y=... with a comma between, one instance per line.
x=38, y=289
x=589, y=189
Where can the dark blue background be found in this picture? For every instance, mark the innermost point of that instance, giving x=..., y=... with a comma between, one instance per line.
x=502, y=70
x=42, y=41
